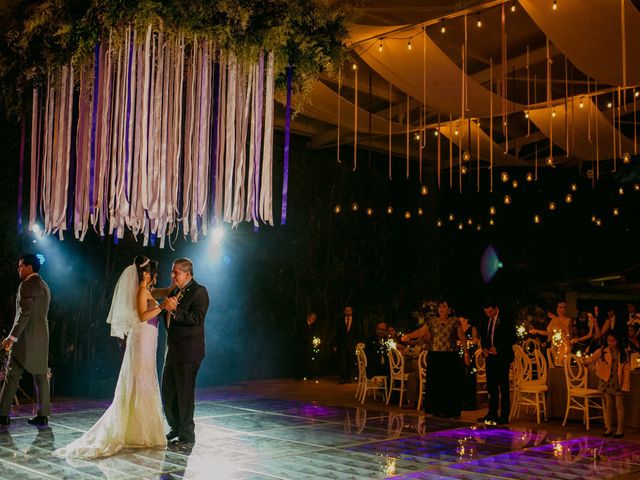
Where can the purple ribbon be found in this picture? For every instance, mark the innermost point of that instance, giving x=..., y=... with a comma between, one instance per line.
x=23, y=133
x=257, y=152
x=287, y=134
x=126, y=131
x=94, y=115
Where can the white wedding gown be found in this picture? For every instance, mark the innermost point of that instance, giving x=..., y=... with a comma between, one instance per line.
x=134, y=419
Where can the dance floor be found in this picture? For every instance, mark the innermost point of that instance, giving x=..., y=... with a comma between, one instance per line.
x=252, y=436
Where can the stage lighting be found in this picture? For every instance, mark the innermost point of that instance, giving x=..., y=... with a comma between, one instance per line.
x=489, y=264
x=217, y=235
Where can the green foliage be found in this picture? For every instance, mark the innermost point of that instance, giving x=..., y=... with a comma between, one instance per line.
x=39, y=35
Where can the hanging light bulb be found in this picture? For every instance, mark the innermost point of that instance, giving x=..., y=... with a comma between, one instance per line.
x=479, y=21
x=369, y=211
x=626, y=157
x=609, y=104
x=620, y=191
x=492, y=222
x=526, y=114
x=439, y=223
x=616, y=211
x=536, y=218
x=380, y=46
x=492, y=210
x=515, y=184
x=598, y=223
x=594, y=218
x=636, y=187
x=451, y=217
x=460, y=226
x=552, y=206
x=581, y=104
x=337, y=209
x=463, y=170
x=590, y=173
x=504, y=176
x=553, y=113
x=568, y=198
x=416, y=136
x=407, y=215
x=637, y=94
x=513, y=5
x=435, y=133
x=466, y=156
x=443, y=28
x=555, y=5
x=354, y=207
x=409, y=46
x=573, y=187
x=469, y=221
x=424, y=190
x=354, y=66
x=549, y=161
x=478, y=227
x=456, y=132
x=420, y=211
x=507, y=200
x=389, y=210
x=529, y=177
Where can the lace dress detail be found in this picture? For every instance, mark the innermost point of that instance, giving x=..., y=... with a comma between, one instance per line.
x=134, y=418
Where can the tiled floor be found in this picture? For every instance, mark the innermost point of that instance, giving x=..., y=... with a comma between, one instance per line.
x=250, y=436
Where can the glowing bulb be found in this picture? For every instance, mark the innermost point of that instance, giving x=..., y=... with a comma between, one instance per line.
x=552, y=206
x=507, y=200
x=598, y=223
x=526, y=114
x=407, y=215
x=568, y=198
x=504, y=176
x=420, y=211
x=637, y=94
x=609, y=104
x=369, y=211
x=594, y=218
x=492, y=222
x=515, y=184
x=439, y=223
x=616, y=211
x=536, y=219
x=469, y=221
x=456, y=132
x=463, y=170
x=443, y=28
x=555, y=5
x=435, y=133
x=636, y=187
x=478, y=227
x=424, y=190
x=573, y=187
x=529, y=177
x=354, y=67
x=416, y=136
x=581, y=104
x=479, y=22
x=466, y=156
x=513, y=6
x=409, y=46
x=590, y=173
x=492, y=210
x=389, y=210
x=620, y=191
x=337, y=209
x=354, y=207
x=553, y=113
x=549, y=161
x=451, y=217
x=380, y=47
x=626, y=157
x=460, y=226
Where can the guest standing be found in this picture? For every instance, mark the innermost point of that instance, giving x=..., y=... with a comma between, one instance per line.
x=469, y=368
x=29, y=341
x=347, y=335
x=497, y=337
x=443, y=393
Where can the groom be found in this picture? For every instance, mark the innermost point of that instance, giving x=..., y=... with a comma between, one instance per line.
x=186, y=307
x=29, y=341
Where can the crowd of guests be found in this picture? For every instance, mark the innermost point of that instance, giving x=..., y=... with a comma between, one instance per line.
x=609, y=341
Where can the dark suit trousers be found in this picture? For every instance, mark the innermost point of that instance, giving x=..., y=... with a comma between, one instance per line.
x=178, y=397
x=498, y=386
x=10, y=388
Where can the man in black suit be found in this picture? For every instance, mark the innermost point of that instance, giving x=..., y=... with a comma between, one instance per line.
x=347, y=334
x=186, y=309
x=498, y=336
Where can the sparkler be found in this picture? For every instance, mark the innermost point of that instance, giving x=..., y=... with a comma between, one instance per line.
x=521, y=331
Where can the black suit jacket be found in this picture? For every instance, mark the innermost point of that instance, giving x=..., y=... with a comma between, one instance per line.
x=346, y=339
x=504, y=337
x=185, y=335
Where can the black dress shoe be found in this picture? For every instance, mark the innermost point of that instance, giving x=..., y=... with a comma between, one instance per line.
x=606, y=434
x=172, y=435
x=183, y=441
x=39, y=421
x=5, y=420
x=618, y=435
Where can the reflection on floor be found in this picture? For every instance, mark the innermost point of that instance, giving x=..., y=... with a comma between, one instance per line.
x=251, y=436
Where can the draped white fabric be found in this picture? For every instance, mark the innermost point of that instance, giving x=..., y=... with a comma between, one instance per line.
x=152, y=128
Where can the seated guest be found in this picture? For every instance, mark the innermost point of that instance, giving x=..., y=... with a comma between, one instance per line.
x=633, y=344
x=376, y=351
x=632, y=317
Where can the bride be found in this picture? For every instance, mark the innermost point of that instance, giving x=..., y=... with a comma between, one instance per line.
x=134, y=418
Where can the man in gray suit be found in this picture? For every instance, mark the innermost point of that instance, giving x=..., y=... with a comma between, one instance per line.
x=29, y=341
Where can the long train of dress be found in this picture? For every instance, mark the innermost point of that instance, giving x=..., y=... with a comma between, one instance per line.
x=134, y=419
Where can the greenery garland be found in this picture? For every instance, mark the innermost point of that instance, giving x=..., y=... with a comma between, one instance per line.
x=43, y=34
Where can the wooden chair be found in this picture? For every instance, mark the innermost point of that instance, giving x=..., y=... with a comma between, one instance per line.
x=579, y=396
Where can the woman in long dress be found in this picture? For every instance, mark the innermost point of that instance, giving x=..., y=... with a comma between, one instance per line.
x=134, y=418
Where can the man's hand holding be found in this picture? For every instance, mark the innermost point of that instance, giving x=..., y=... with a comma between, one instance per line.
x=7, y=343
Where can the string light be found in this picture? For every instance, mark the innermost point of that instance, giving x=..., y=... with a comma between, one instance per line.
x=424, y=190
x=626, y=157
x=492, y=222
x=407, y=215
x=636, y=187
x=492, y=210
x=552, y=206
x=594, y=218
x=466, y=156
x=354, y=67
x=616, y=211
x=526, y=114
x=380, y=46
x=555, y=5
x=479, y=22
x=581, y=104
x=529, y=177
x=456, y=132
x=609, y=104
x=443, y=28
x=573, y=187
x=536, y=218
x=354, y=207
x=513, y=5
x=568, y=198
x=637, y=94
x=337, y=209
x=469, y=221
x=504, y=176
x=463, y=170
x=553, y=113
x=435, y=133
x=598, y=223
x=507, y=200
x=460, y=226
x=416, y=136
x=409, y=46
x=549, y=161
x=478, y=227
x=420, y=211
x=369, y=211
x=515, y=183
x=451, y=217
x=620, y=191
x=439, y=223
x=389, y=210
